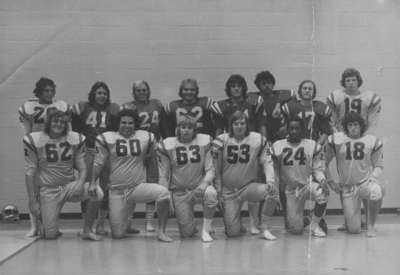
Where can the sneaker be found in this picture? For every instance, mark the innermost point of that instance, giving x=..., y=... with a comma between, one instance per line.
x=318, y=232
x=323, y=225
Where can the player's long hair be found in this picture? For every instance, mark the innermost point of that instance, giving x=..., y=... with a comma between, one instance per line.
x=130, y=113
x=41, y=84
x=349, y=72
x=354, y=117
x=136, y=84
x=266, y=76
x=53, y=115
x=236, y=116
x=189, y=81
x=92, y=93
x=301, y=86
x=236, y=78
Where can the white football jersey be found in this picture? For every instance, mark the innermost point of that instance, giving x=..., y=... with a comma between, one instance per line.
x=125, y=156
x=366, y=103
x=242, y=159
x=34, y=114
x=296, y=163
x=184, y=165
x=355, y=158
x=54, y=159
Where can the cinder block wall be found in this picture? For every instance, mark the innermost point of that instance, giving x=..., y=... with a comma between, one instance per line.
x=79, y=42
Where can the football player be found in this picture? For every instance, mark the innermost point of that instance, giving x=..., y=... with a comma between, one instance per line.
x=187, y=169
x=238, y=100
x=126, y=150
x=153, y=118
x=315, y=114
x=350, y=98
x=299, y=166
x=51, y=157
x=238, y=156
x=359, y=162
x=91, y=118
x=272, y=103
x=316, y=117
x=252, y=106
x=192, y=105
x=32, y=115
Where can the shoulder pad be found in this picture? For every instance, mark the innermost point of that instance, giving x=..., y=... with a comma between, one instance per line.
x=129, y=105
x=321, y=108
x=114, y=108
x=205, y=102
x=79, y=107
x=173, y=105
x=170, y=143
x=61, y=105
x=109, y=137
x=39, y=139
x=75, y=138
x=28, y=108
x=203, y=139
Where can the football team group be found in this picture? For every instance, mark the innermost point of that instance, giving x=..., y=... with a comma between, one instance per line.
x=270, y=148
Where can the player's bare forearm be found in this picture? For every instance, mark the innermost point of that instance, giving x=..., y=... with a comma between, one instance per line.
x=82, y=169
x=31, y=187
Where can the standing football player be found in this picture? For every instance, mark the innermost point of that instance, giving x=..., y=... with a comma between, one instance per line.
x=300, y=168
x=272, y=103
x=359, y=162
x=126, y=150
x=32, y=115
x=192, y=105
x=153, y=118
x=238, y=156
x=350, y=98
x=187, y=169
x=91, y=118
x=51, y=157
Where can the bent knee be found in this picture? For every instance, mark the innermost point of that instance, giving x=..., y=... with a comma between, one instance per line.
x=164, y=195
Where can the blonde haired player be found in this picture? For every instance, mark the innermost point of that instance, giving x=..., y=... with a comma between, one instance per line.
x=51, y=157
x=359, y=162
x=300, y=168
x=32, y=115
x=238, y=157
x=187, y=169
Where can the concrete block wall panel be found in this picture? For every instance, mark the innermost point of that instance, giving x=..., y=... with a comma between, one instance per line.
x=79, y=42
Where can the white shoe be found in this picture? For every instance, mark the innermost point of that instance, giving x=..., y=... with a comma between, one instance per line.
x=149, y=226
x=268, y=235
x=317, y=231
x=205, y=236
x=254, y=230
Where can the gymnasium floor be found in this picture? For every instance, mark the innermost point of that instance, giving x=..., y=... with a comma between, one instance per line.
x=340, y=253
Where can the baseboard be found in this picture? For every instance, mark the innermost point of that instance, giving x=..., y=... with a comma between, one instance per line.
x=199, y=214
